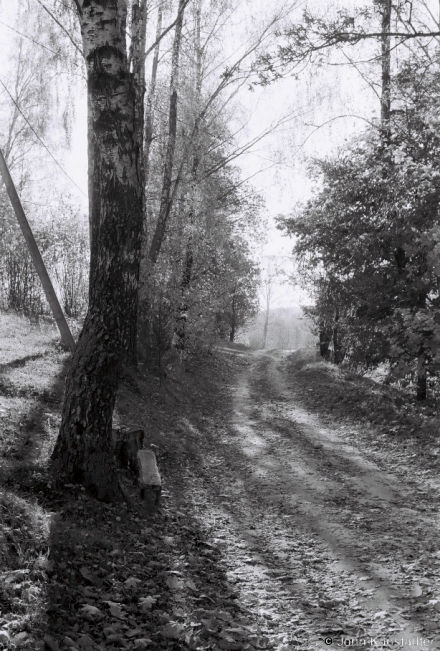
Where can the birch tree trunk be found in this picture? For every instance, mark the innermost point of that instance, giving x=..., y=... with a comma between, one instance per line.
x=83, y=452
x=165, y=201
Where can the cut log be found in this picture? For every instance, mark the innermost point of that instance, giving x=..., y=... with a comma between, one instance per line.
x=149, y=479
x=126, y=447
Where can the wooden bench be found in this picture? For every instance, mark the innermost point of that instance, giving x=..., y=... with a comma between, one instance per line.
x=149, y=479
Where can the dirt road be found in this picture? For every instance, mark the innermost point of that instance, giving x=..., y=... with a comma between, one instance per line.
x=323, y=547
x=291, y=519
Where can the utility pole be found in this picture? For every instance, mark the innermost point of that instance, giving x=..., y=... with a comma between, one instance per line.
x=66, y=335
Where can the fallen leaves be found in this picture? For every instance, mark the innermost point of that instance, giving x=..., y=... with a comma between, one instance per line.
x=230, y=563
x=115, y=609
x=174, y=583
x=51, y=643
x=146, y=603
x=132, y=582
x=172, y=631
x=90, y=612
x=91, y=578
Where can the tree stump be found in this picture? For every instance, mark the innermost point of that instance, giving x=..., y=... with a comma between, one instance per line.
x=126, y=447
x=149, y=479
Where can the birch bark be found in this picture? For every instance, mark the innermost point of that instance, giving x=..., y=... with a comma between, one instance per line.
x=83, y=452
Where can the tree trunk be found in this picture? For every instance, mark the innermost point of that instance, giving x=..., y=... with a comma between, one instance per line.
x=180, y=327
x=421, y=376
x=338, y=353
x=137, y=60
x=166, y=196
x=83, y=452
x=233, y=321
x=324, y=342
x=385, y=102
x=149, y=113
x=266, y=328
x=268, y=291
x=182, y=317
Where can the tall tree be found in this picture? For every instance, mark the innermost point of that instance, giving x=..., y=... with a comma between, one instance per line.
x=267, y=291
x=166, y=202
x=180, y=328
x=373, y=239
x=149, y=112
x=385, y=100
x=83, y=452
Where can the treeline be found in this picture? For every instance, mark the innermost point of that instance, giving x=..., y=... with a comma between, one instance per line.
x=198, y=278
x=173, y=225
x=368, y=242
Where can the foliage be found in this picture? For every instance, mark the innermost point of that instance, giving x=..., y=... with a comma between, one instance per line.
x=369, y=239
x=63, y=243
x=319, y=34
x=204, y=284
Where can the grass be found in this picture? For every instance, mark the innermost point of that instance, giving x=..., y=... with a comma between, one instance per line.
x=389, y=412
x=31, y=379
x=62, y=551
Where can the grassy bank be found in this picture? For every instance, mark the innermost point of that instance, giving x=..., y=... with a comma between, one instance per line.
x=77, y=574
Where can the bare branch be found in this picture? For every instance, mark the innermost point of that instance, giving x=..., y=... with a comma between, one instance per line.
x=40, y=140
x=61, y=26
x=28, y=38
x=165, y=32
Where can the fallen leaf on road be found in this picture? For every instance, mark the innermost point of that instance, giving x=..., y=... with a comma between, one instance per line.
x=172, y=631
x=90, y=611
x=146, y=603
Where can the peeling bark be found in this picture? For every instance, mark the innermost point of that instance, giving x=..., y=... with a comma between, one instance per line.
x=83, y=452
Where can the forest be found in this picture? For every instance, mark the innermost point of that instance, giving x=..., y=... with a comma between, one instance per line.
x=188, y=341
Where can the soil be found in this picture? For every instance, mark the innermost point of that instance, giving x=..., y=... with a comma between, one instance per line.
x=325, y=542
x=299, y=511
